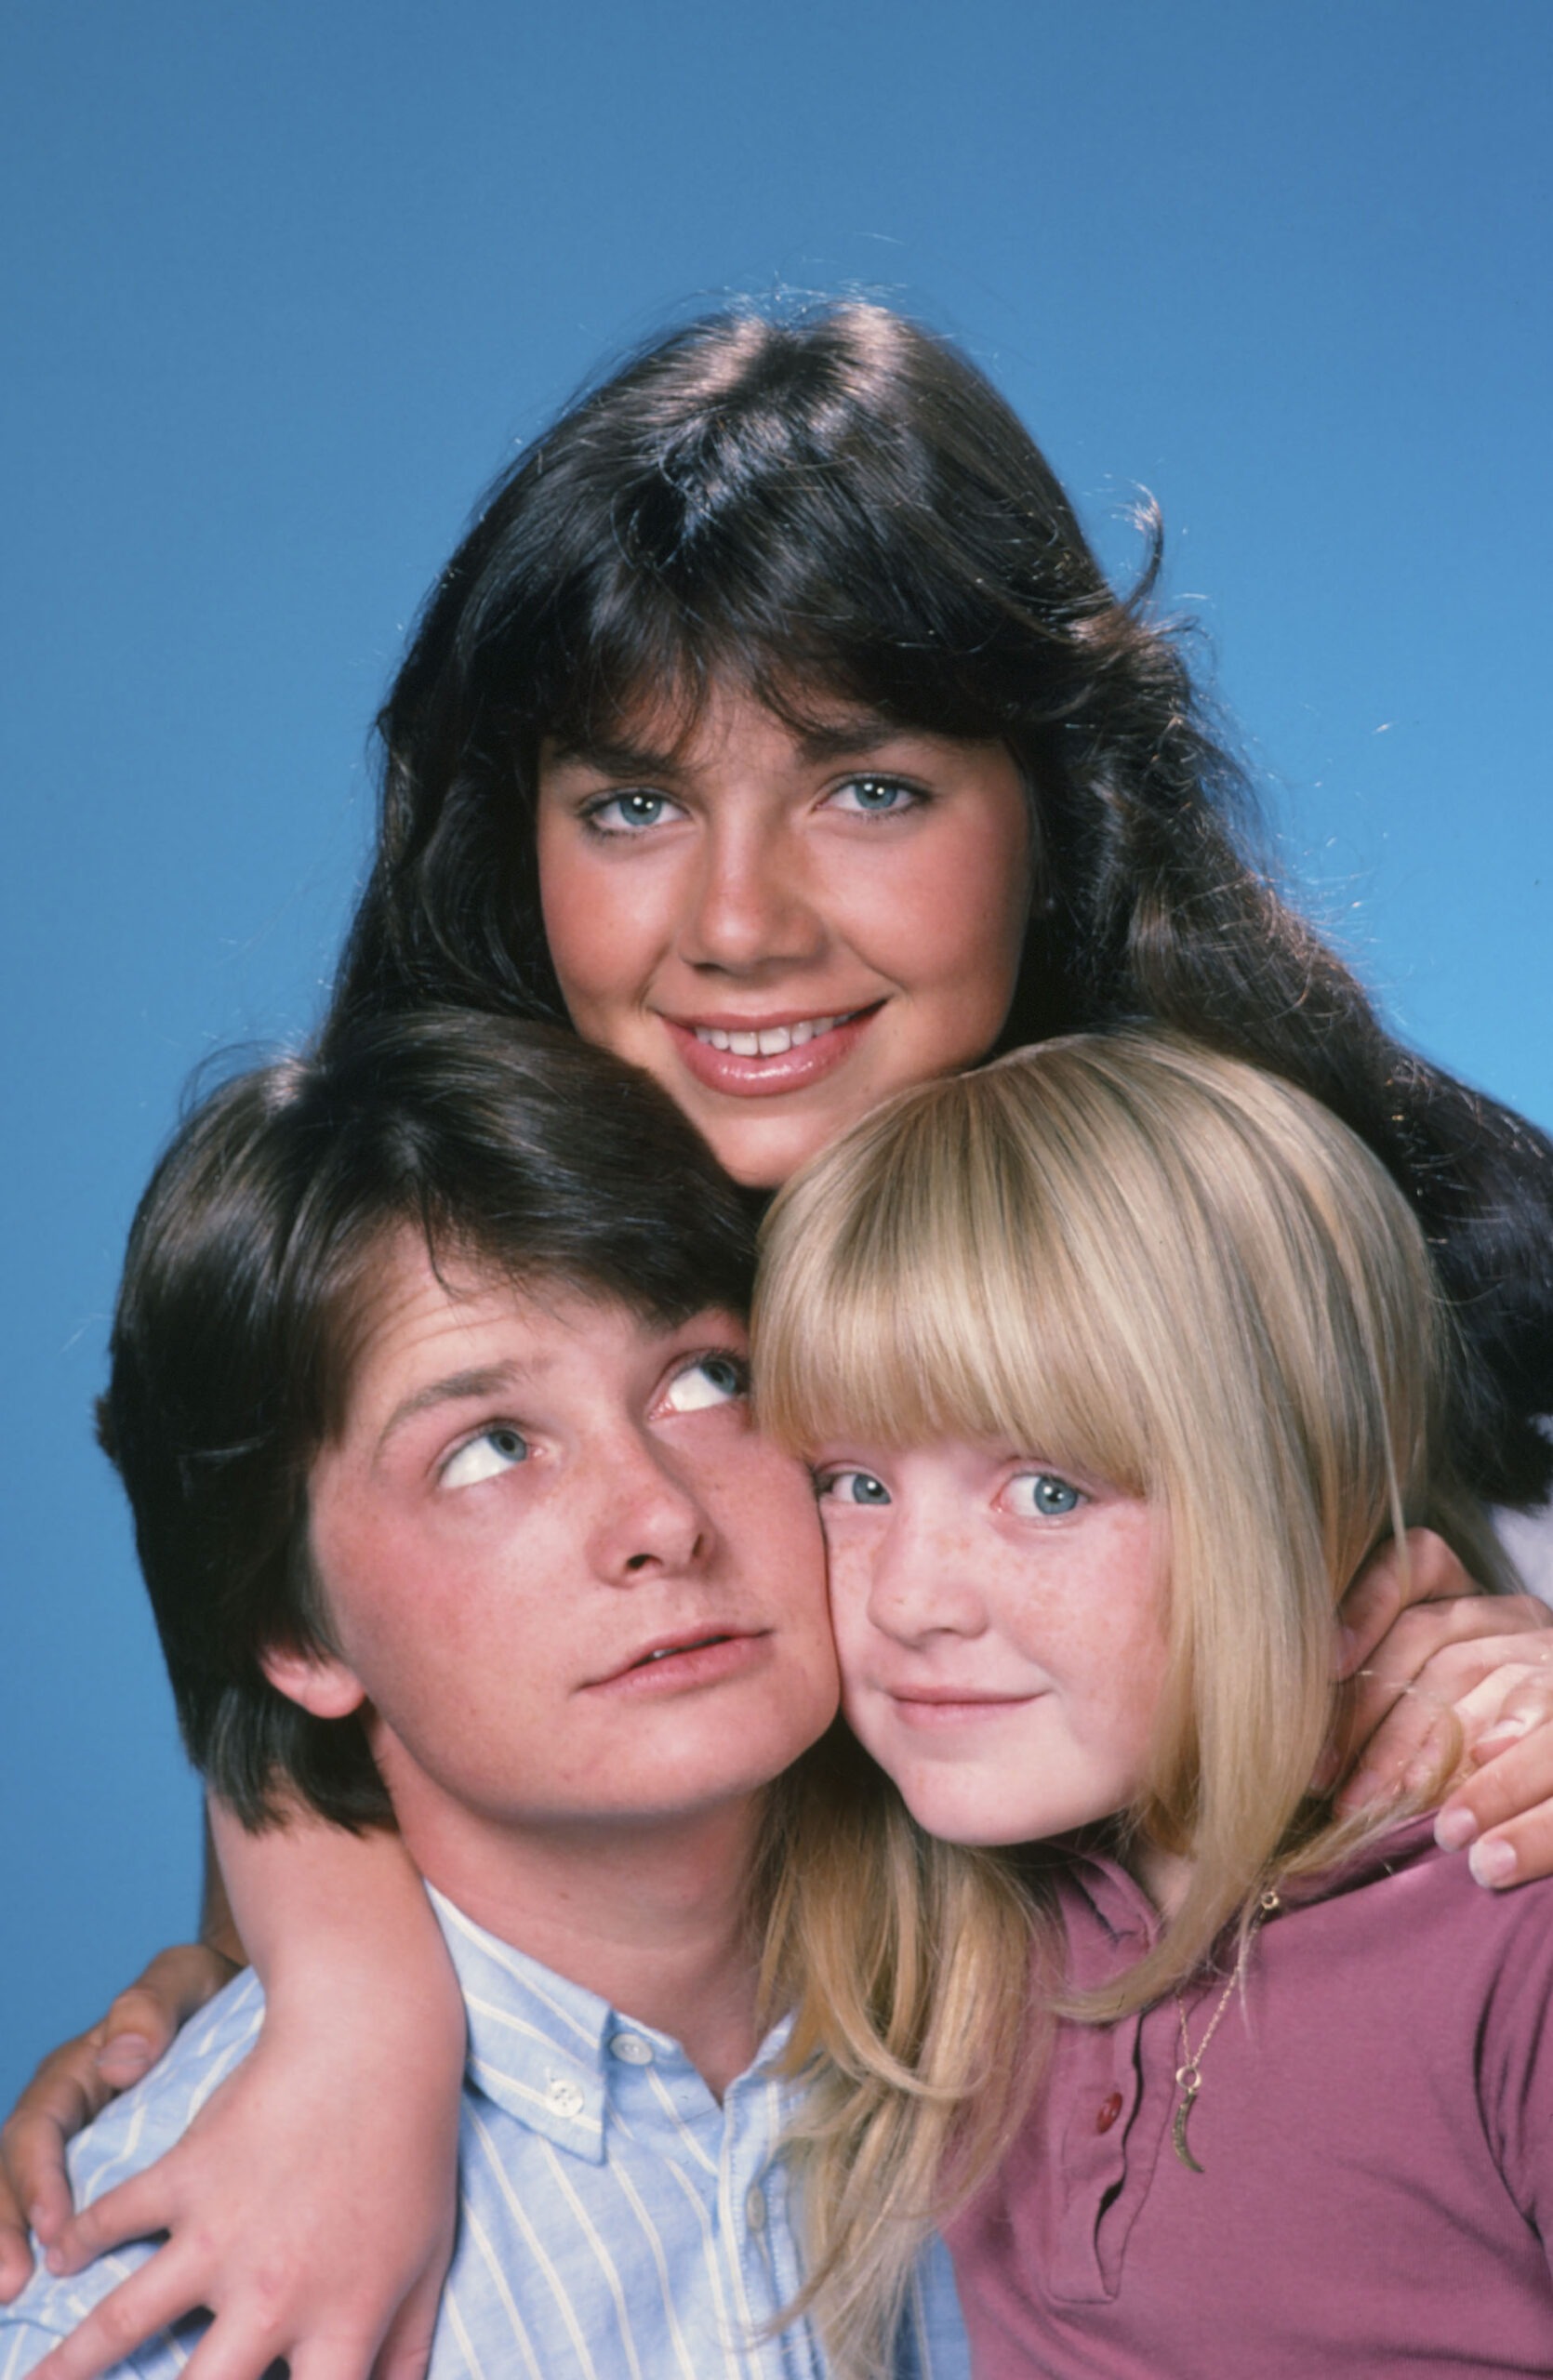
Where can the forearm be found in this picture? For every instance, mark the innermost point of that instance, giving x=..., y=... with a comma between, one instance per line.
x=323, y=1914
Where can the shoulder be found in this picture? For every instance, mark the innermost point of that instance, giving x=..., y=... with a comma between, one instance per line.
x=130, y=2134
x=1414, y=1920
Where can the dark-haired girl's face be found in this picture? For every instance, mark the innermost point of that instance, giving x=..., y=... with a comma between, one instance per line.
x=785, y=929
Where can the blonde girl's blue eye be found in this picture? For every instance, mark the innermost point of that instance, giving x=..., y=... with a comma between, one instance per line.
x=851, y=1488
x=496, y=1450
x=710, y=1379
x=1042, y=1495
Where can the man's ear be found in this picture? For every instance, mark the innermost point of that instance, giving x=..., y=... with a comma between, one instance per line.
x=319, y=1681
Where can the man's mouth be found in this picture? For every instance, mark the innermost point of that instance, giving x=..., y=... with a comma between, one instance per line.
x=691, y=1644
x=702, y=1659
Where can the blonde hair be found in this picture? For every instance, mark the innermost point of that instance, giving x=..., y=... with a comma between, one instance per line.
x=1175, y=1274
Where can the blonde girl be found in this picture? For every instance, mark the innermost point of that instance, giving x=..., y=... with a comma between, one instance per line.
x=1115, y=1362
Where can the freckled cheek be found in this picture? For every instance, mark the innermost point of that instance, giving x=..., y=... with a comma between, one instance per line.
x=419, y=1617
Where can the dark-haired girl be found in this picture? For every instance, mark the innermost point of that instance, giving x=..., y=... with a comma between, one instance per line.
x=775, y=725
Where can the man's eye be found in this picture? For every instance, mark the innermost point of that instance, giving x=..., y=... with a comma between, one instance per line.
x=851, y=1488
x=874, y=797
x=487, y=1457
x=710, y=1379
x=1041, y=1495
x=626, y=813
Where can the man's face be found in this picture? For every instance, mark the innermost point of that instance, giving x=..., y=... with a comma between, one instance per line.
x=572, y=1585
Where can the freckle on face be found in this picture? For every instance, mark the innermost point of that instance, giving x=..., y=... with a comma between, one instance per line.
x=764, y=894
x=1044, y=1644
x=484, y=1605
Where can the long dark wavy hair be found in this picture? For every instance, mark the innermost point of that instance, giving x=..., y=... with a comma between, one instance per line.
x=836, y=505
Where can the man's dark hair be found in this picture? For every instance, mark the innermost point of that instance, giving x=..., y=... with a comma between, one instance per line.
x=247, y=1288
x=833, y=505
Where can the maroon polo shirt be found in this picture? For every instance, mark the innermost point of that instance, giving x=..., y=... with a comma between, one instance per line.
x=1375, y=2126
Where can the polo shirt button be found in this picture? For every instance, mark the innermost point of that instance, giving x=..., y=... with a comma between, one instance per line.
x=633, y=2049
x=754, y=2208
x=1109, y=2110
x=564, y=2098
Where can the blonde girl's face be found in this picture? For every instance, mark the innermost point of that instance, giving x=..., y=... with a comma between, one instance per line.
x=1000, y=1626
x=784, y=929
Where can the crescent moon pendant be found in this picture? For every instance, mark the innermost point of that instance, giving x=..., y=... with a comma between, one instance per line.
x=1179, y=2134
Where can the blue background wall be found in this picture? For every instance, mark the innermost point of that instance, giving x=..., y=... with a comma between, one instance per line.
x=283, y=285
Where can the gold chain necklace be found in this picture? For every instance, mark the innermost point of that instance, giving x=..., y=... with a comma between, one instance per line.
x=1188, y=2074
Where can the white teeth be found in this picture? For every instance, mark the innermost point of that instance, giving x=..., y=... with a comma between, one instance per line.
x=772, y=1040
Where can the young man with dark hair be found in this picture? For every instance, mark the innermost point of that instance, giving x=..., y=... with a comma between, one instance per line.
x=427, y=1392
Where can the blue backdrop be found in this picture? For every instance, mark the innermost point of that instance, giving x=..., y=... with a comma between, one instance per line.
x=284, y=283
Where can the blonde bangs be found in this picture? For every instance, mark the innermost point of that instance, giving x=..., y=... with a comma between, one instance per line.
x=921, y=1282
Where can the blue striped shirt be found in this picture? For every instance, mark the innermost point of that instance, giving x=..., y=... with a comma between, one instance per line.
x=615, y=2223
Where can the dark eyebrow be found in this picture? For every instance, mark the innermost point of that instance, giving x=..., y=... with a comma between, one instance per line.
x=860, y=731
x=613, y=759
x=457, y=1387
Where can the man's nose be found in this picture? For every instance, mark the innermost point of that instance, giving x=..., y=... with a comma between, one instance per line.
x=648, y=1523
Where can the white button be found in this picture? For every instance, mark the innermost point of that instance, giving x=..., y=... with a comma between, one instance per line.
x=754, y=2208
x=632, y=2048
x=565, y=2097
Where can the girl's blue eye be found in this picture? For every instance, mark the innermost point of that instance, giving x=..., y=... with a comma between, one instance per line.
x=624, y=813
x=873, y=797
x=851, y=1487
x=710, y=1379
x=487, y=1457
x=1041, y=1495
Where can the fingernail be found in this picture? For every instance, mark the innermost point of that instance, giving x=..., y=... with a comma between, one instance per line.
x=1492, y=1863
x=55, y=2259
x=1453, y=1829
x=1368, y=1786
x=1504, y=1731
x=1347, y=1650
x=124, y=2060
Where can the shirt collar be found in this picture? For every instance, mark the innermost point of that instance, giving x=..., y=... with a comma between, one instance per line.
x=1129, y=1920
x=536, y=2041
x=539, y=2047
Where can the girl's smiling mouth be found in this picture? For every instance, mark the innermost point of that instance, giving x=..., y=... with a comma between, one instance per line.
x=751, y=1059
x=955, y=1706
